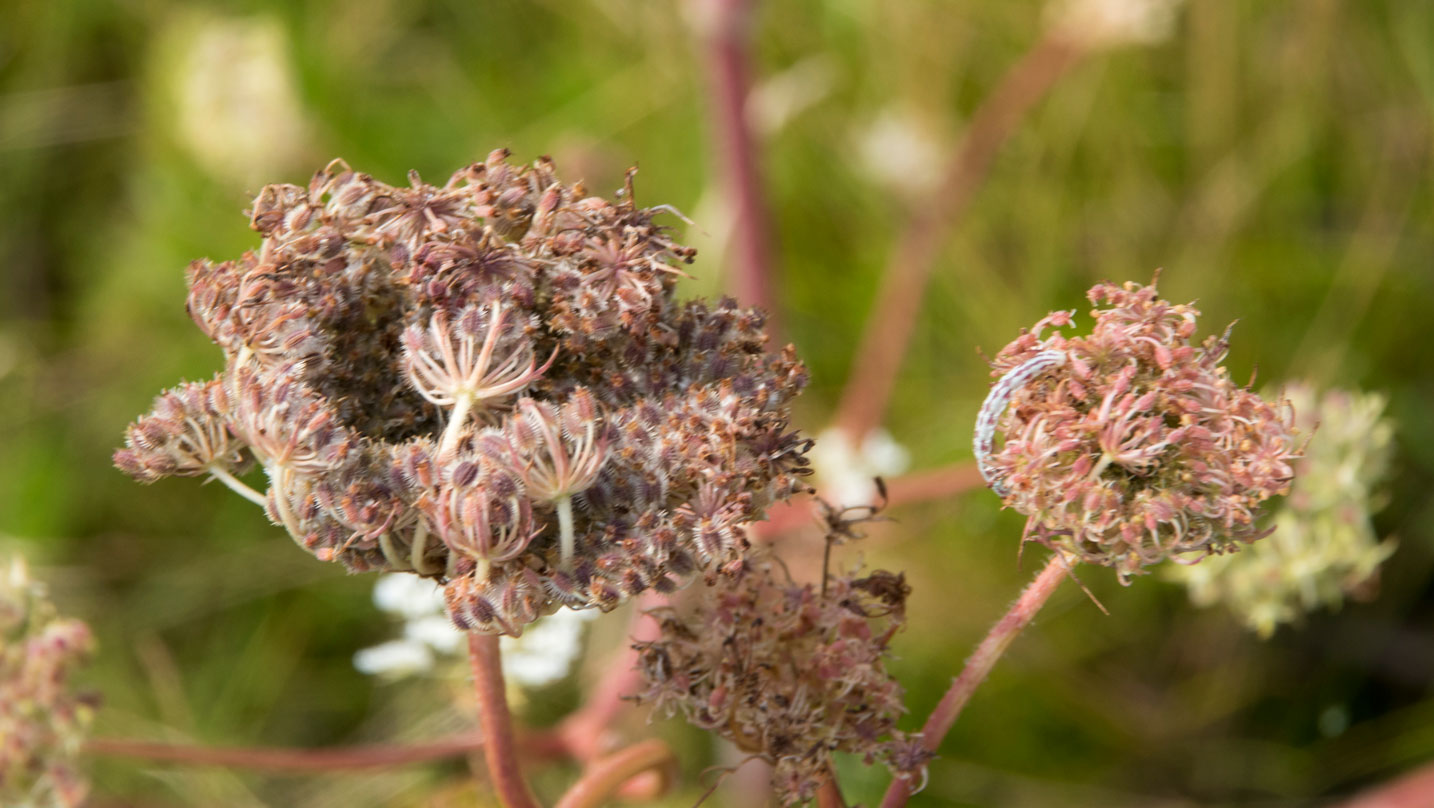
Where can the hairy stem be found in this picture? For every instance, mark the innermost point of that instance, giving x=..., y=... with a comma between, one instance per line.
x=888, y=330
x=980, y=663
x=604, y=777
x=498, y=746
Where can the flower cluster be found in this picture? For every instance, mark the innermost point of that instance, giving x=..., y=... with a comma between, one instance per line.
x=788, y=673
x=42, y=721
x=1132, y=445
x=489, y=383
x=1324, y=547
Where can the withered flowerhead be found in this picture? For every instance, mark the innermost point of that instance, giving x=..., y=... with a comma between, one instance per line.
x=787, y=673
x=43, y=721
x=489, y=383
x=1131, y=445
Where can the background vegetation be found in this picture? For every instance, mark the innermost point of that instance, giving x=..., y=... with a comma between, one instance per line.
x=1273, y=157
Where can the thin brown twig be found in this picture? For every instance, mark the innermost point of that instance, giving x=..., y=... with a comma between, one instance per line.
x=312, y=760
x=726, y=24
x=583, y=732
x=499, y=749
x=604, y=777
x=888, y=330
x=980, y=663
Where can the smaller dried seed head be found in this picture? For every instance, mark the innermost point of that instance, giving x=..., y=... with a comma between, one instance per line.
x=787, y=673
x=1132, y=445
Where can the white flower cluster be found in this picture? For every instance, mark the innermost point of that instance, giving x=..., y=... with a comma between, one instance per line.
x=846, y=473
x=543, y=655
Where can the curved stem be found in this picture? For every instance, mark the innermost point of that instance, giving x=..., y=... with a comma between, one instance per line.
x=237, y=486
x=980, y=663
x=903, y=283
x=498, y=746
x=605, y=776
x=586, y=731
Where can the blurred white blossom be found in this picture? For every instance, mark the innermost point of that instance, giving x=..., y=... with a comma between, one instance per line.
x=543, y=655
x=846, y=473
x=235, y=96
x=1324, y=547
x=1111, y=23
x=901, y=153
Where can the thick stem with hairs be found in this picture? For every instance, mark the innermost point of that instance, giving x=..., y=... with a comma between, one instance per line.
x=499, y=749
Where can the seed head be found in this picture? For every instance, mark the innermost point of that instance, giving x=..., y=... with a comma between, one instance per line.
x=788, y=673
x=489, y=383
x=1132, y=445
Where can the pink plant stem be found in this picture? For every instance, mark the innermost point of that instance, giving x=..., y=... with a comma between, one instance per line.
x=903, y=284
x=1413, y=790
x=584, y=731
x=498, y=746
x=727, y=23
x=979, y=665
x=828, y=794
x=313, y=760
x=913, y=488
x=604, y=777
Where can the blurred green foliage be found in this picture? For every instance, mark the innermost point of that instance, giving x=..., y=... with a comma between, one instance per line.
x=1273, y=157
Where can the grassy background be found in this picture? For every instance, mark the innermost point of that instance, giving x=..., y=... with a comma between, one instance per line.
x=1273, y=157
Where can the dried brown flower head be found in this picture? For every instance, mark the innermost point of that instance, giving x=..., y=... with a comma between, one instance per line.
x=43, y=722
x=787, y=673
x=489, y=383
x=1132, y=445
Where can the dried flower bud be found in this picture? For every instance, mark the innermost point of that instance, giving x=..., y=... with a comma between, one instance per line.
x=1324, y=547
x=184, y=435
x=1132, y=445
x=787, y=673
x=42, y=721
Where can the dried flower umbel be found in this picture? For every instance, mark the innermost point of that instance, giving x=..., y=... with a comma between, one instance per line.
x=43, y=722
x=489, y=383
x=788, y=673
x=1324, y=547
x=1131, y=445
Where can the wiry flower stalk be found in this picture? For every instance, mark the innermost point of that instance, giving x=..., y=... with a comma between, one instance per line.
x=558, y=453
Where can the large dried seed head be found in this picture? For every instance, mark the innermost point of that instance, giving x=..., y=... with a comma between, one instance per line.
x=433, y=378
x=1132, y=445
